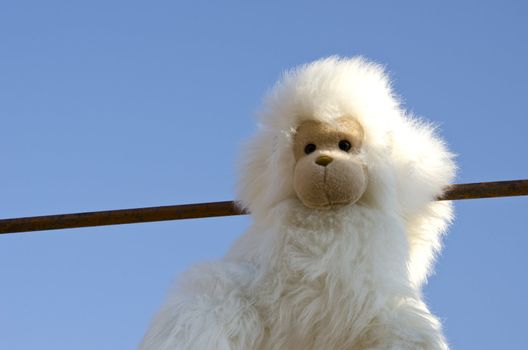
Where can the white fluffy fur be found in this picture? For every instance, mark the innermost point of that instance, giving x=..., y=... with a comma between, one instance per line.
x=346, y=278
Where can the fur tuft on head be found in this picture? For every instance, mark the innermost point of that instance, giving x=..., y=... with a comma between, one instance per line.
x=408, y=165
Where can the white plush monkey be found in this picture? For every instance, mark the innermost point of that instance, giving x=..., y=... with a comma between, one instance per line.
x=341, y=184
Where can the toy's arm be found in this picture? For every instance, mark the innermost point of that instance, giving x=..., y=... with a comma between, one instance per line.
x=207, y=311
x=407, y=325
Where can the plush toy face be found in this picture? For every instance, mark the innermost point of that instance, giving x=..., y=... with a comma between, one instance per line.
x=328, y=169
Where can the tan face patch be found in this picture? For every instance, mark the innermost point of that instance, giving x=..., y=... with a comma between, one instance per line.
x=328, y=170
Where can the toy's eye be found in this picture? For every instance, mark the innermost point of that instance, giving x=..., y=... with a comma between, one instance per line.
x=309, y=148
x=344, y=145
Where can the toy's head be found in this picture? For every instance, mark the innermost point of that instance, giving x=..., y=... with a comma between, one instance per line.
x=333, y=134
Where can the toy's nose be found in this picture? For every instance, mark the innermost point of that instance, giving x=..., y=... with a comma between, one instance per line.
x=324, y=160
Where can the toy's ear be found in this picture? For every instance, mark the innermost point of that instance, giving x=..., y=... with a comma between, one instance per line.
x=255, y=171
x=424, y=167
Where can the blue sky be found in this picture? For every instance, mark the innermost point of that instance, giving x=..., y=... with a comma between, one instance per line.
x=120, y=104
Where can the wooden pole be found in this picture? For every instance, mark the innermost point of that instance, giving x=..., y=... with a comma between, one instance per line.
x=214, y=209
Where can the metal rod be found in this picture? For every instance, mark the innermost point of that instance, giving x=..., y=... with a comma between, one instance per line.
x=486, y=190
x=227, y=208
